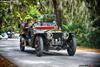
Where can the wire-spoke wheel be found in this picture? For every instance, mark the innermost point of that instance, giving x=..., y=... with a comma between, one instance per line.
x=71, y=46
x=22, y=44
x=39, y=45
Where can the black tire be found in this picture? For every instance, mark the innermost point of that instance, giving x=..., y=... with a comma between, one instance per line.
x=46, y=45
x=22, y=44
x=71, y=46
x=39, y=45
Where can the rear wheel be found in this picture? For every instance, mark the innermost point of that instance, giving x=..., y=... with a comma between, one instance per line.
x=39, y=45
x=22, y=44
x=71, y=46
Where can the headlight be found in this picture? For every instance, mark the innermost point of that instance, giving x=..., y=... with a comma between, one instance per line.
x=65, y=35
x=49, y=35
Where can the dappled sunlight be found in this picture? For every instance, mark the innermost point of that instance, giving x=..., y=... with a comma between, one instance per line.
x=33, y=61
x=52, y=58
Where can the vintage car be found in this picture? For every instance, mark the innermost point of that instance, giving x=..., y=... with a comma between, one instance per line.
x=46, y=36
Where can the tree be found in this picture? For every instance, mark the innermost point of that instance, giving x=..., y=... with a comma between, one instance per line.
x=94, y=7
x=58, y=11
x=73, y=15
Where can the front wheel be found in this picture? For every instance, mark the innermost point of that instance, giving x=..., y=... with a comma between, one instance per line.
x=22, y=44
x=71, y=46
x=39, y=45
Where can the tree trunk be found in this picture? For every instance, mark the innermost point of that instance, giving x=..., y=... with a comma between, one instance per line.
x=0, y=25
x=57, y=4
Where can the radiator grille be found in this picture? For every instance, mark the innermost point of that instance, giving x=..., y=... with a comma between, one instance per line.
x=57, y=35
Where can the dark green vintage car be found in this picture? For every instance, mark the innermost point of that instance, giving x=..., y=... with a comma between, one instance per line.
x=46, y=36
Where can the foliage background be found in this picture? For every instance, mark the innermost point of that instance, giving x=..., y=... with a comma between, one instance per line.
x=79, y=16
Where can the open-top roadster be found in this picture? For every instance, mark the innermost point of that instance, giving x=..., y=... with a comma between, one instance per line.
x=47, y=36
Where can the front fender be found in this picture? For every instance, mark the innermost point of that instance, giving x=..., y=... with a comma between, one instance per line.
x=71, y=35
x=38, y=33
